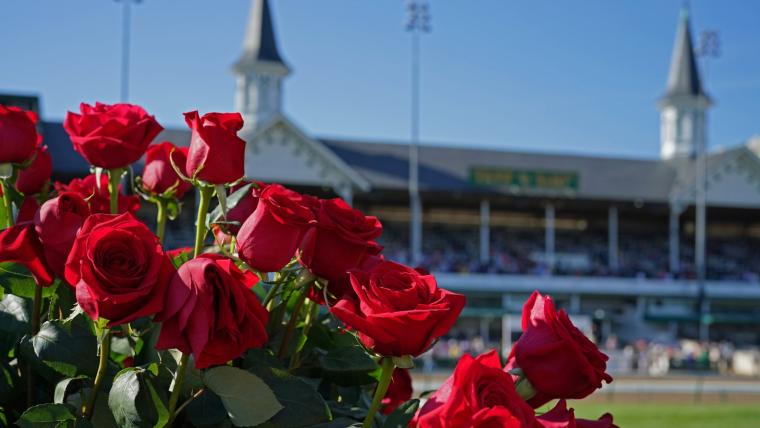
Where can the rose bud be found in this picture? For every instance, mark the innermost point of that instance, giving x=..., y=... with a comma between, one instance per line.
x=20, y=244
x=111, y=136
x=18, y=134
x=342, y=238
x=32, y=179
x=239, y=213
x=159, y=175
x=396, y=310
x=216, y=153
x=118, y=269
x=398, y=392
x=556, y=358
x=478, y=391
x=98, y=198
x=57, y=223
x=27, y=210
x=268, y=239
x=212, y=312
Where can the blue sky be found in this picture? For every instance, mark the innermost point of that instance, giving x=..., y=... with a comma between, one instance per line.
x=579, y=77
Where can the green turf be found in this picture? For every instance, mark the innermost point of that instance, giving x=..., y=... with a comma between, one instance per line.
x=669, y=415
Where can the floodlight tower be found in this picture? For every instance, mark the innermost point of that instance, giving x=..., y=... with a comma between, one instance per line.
x=126, y=18
x=418, y=22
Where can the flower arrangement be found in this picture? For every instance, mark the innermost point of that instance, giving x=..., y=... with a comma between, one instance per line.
x=283, y=314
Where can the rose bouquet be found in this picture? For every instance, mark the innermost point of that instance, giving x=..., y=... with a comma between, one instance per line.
x=284, y=313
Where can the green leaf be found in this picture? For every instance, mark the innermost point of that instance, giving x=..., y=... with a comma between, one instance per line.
x=304, y=406
x=349, y=366
x=232, y=201
x=59, y=396
x=47, y=415
x=8, y=383
x=16, y=279
x=248, y=400
x=67, y=347
x=14, y=321
x=340, y=423
x=134, y=401
x=403, y=414
x=206, y=410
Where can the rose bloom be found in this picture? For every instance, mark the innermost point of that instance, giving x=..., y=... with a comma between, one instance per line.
x=399, y=391
x=268, y=239
x=159, y=175
x=32, y=179
x=27, y=210
x=99, y=198
x=562, y=417
x=212, y=312
x=118, y=268
x=342, y=238
x=216, y=153
x=396, y=310
x=111, y=136
x=556, y=357
x=20, y=244
x=18, y=134
x=240, y=212
x=478, y=394
x=57, y=223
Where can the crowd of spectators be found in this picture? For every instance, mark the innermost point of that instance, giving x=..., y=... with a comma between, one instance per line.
x=456, y=249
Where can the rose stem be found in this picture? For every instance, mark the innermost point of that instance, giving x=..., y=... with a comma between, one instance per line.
x=292, y=324
x=312, y=309
x=105, y=350
x=36, y=310
x=114, y=177
x=382, y=387
x=7, y=205
x=161, y=220
x=200, y=235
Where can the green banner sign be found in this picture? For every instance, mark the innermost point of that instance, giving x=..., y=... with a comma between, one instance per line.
x=524, y=179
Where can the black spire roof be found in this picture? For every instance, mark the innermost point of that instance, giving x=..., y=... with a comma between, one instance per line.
x=683, y=78
x=259, y=43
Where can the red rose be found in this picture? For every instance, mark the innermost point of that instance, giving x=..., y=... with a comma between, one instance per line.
x=212, y=312
x=342, y=238
x=336, y=289
x=240, y=212
x=20, y=244
x=268, y=239
x=216, y=152
x=118, y=269
x=557, y=359
x=398, y=392
x=99, y=198
x=159, y=175
x=33, y=178
x=111, y=136
x=18, y=134
x=558, y=417
x=562, y=417
x=396, y=310
x=57, y=223
x=27, y=210
x=604, y=421
x=477, y=384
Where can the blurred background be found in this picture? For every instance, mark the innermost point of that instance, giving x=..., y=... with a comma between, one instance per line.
x=606, y=153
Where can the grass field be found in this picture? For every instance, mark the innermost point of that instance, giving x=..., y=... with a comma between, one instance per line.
x=669, y=415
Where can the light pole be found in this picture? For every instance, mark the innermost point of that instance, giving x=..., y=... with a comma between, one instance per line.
x=126, y=17
x=418, y=21
x=709, y=47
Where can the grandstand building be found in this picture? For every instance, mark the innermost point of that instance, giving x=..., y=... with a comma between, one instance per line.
x=612, y=239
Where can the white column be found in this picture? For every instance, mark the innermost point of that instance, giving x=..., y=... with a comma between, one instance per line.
x=612, y=238
x=485, y=231
x=506, y=326
x=674, y=242
x=549, y=238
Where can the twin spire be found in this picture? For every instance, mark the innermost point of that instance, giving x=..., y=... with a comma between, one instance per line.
x=683, y=78
x=259, y=44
